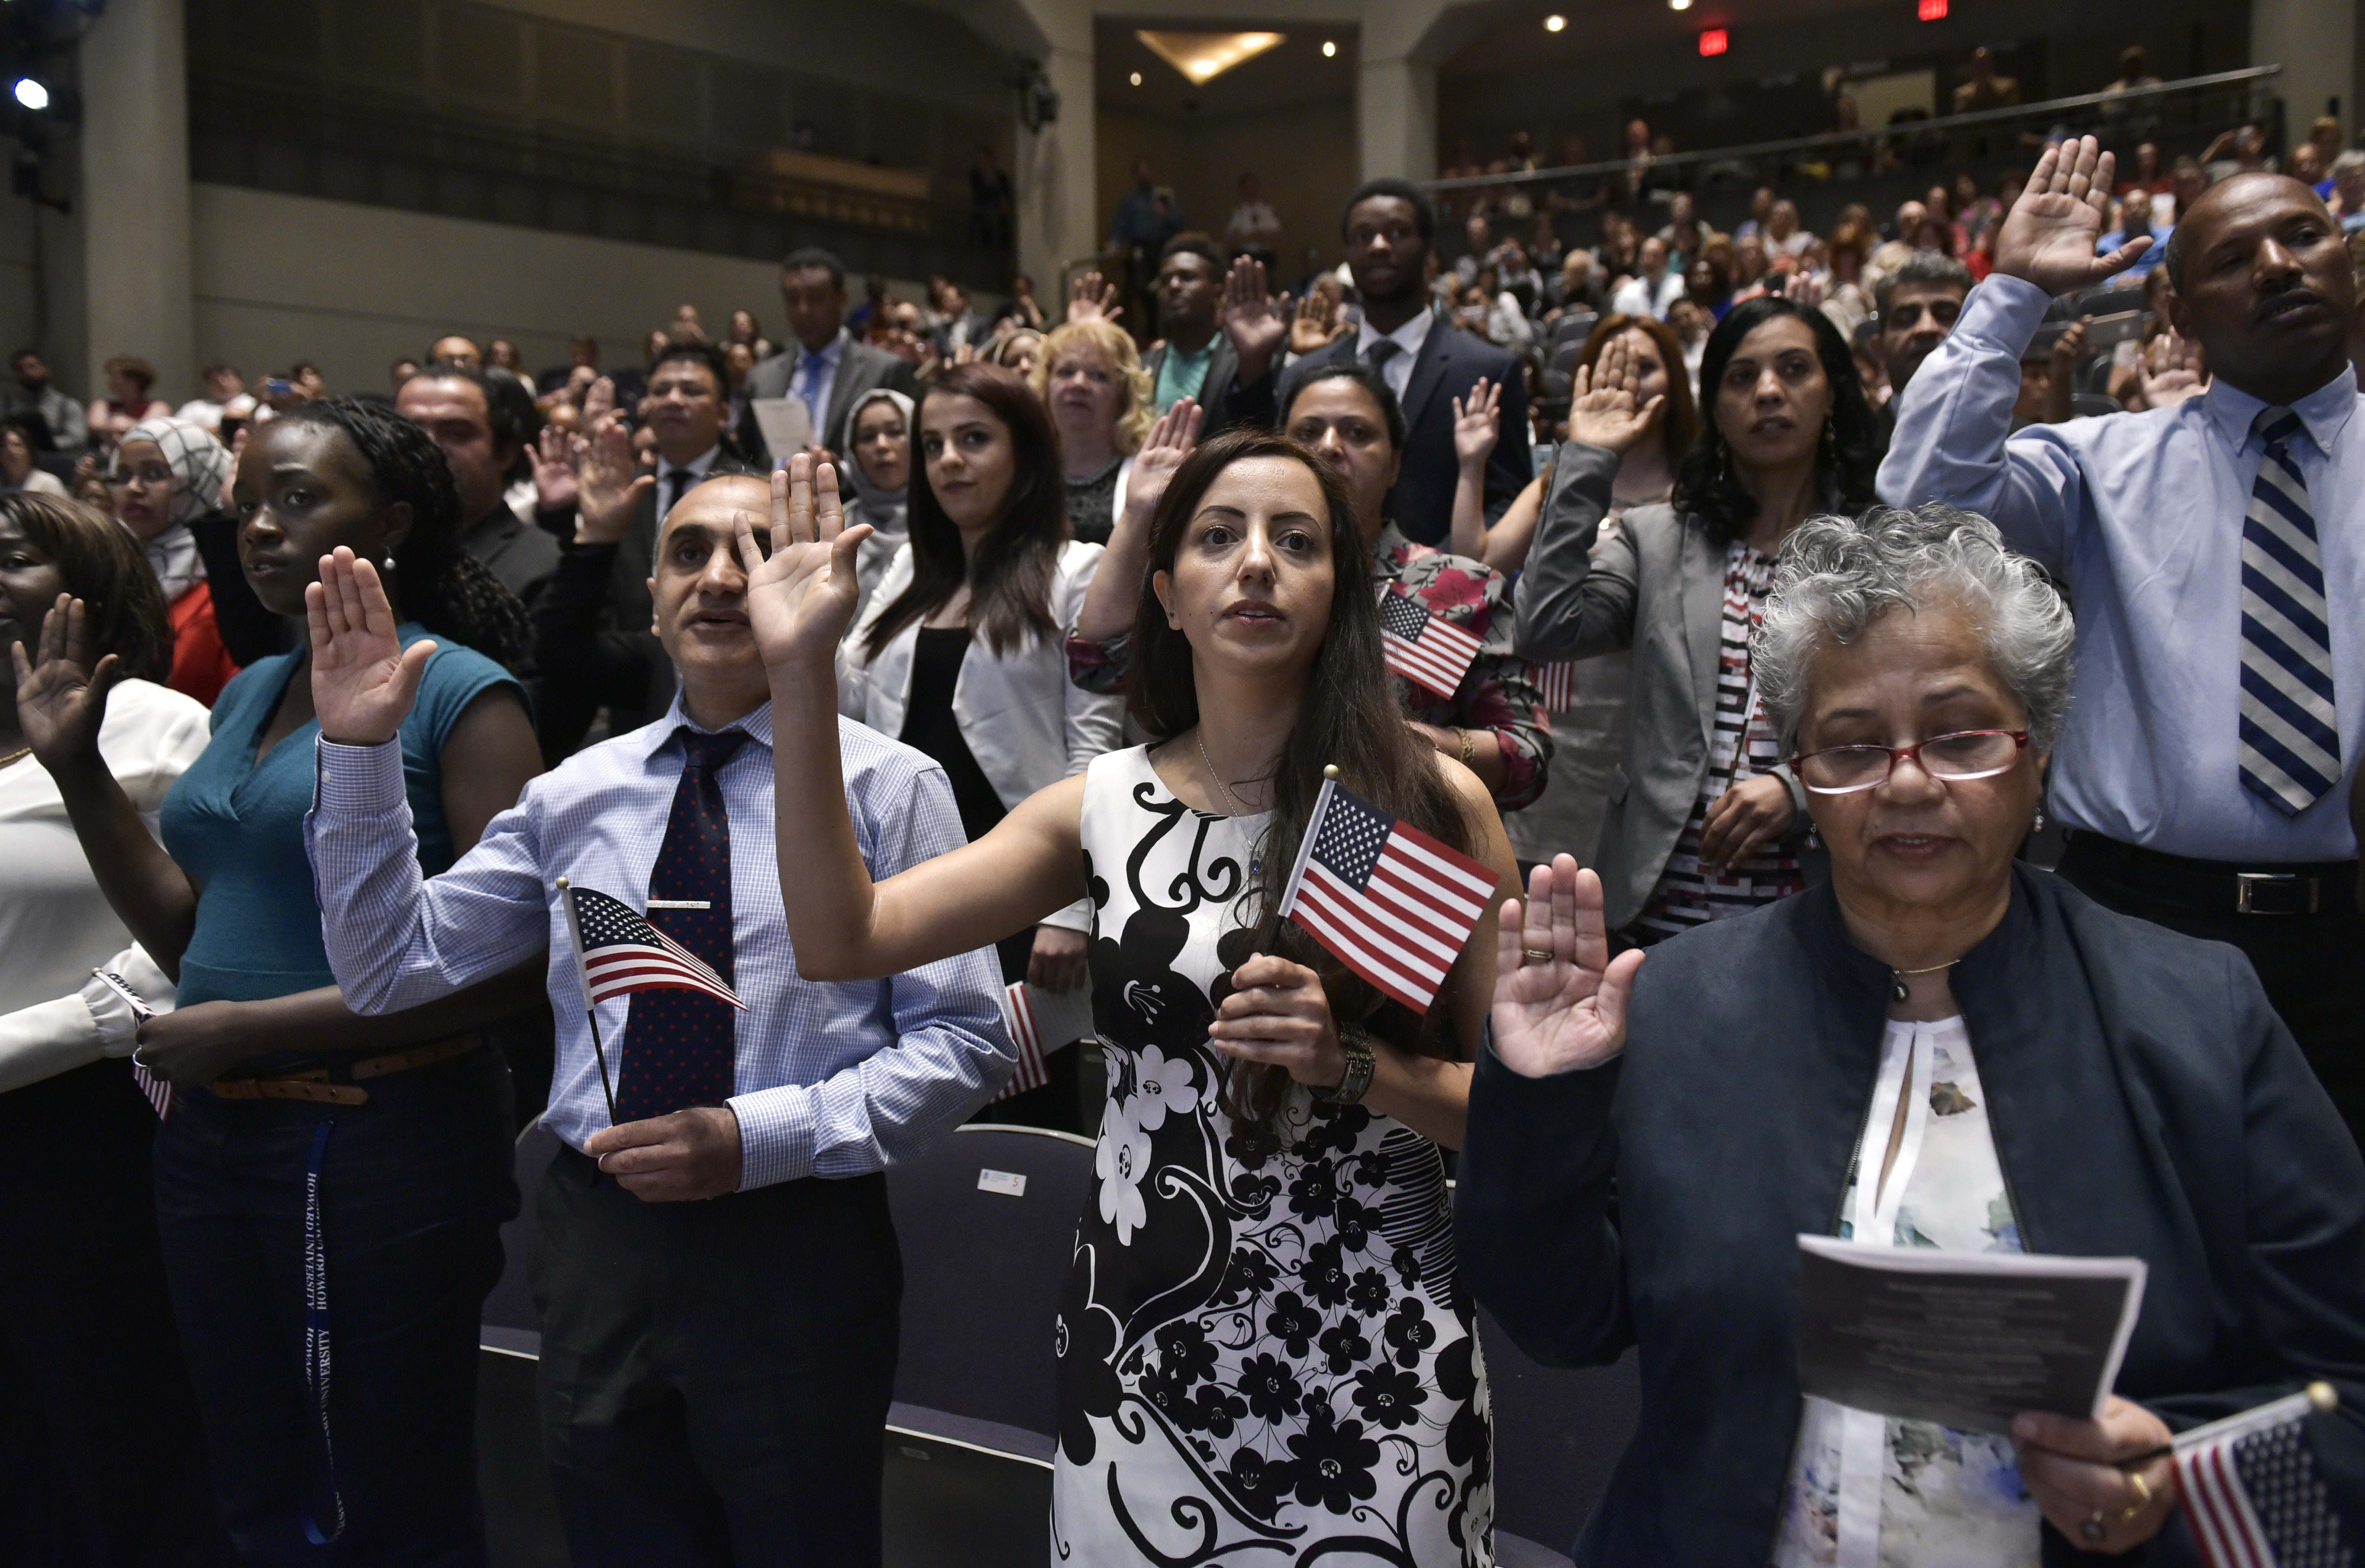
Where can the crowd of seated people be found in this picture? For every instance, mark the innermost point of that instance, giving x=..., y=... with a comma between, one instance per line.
x=924, y=654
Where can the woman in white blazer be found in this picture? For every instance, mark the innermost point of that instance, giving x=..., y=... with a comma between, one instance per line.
x=961, y=649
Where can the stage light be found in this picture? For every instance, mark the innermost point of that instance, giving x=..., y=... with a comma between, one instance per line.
x=1553, y=24
x=1713, y=42
x=1329, y=49
x=32, y=94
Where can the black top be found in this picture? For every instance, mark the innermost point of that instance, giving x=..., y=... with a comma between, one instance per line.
x=929, y=726
x=2145, y=1100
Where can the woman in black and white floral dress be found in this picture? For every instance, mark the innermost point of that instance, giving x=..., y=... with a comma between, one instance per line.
x=1264, y=1357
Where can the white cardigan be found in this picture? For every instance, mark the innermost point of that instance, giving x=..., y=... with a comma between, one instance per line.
x=1024, y=721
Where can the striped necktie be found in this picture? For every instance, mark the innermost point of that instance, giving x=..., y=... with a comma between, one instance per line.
x=2289, y=732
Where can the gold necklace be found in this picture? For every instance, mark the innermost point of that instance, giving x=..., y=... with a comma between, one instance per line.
x=1898, y=989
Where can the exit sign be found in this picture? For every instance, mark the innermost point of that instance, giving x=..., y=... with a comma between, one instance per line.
x=1931, y=10
x=1713, y=41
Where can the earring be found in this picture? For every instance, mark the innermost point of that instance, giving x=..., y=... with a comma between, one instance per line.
x=2038, y=826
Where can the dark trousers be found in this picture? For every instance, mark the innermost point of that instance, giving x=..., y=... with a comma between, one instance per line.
x=414, y=1185
x=715, y=1375
x=102, y=1463
x=2313, y=966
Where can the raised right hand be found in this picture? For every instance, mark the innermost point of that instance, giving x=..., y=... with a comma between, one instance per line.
x=2049, y=236
x=1477, y=424
x=2172, y=369
x=1567, y=1012
x=608, y=491
x=553, y=456
x=60, y=698
x=1169, y=440
x=364, y=680
x=800, y=597
x=1316, y=323
x=1093, y=300
x=1606, y=407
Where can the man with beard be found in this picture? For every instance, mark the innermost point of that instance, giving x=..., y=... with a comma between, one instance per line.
x=2215, y=551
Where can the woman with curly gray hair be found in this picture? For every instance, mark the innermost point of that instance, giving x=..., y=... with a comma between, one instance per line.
x=1941, y=1047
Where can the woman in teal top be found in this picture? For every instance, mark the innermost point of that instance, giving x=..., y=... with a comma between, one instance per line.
x=358, y=1165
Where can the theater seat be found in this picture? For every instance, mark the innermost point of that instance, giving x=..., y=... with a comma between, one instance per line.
x=987, y=1218
x=1558, y=1434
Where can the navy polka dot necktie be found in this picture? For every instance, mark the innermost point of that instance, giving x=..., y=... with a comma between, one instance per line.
x=681, y=1046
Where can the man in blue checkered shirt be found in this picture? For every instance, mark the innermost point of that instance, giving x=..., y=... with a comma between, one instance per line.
x=716, y=1373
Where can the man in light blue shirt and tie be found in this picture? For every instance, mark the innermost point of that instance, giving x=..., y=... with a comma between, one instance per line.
x=2215, y=551
x=720, y=1279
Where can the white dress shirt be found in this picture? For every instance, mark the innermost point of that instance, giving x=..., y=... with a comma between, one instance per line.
x=1398, y=372
x=834, y=1079
x=1026, y=723
x=55, y=923
x=2141, y=514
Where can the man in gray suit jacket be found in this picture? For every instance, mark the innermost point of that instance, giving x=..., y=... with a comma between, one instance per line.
x=1222, y=332
x=821, y=364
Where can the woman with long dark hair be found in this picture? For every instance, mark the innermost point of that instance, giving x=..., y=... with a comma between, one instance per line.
x=323, y=1179
x=1704, y=819
x=1261, y=1348
x=960, y=649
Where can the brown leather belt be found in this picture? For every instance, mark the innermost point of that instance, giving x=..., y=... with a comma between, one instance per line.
x=332, y=1086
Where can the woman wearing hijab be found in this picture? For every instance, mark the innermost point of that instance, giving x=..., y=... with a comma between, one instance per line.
x=881, y=435
x=164, y=484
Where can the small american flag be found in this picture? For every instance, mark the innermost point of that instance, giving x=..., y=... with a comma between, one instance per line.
x=1393, y=903
x=1556, y=683
x=1041, y=1022
x=159, y=1091
x=1426, y=649
x=621, y=953
x=2251, y=1492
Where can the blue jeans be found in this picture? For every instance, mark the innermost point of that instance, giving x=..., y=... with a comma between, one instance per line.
x=414, y=1187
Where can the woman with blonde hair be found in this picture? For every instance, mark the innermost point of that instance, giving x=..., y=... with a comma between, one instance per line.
x=1092, y=380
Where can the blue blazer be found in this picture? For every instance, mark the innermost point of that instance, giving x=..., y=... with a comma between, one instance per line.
x=2145, y=1100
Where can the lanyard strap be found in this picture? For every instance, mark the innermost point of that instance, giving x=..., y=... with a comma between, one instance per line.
x=316, y=1344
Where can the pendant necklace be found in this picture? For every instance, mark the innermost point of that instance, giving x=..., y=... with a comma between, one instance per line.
x=1898, y=989
x=1256, y=861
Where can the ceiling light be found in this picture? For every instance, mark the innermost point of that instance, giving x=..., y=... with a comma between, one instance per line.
x=1679, y=5
x=1329, y=49
x=1137, y=78
x=32, y=94
x=1554, y=24
x=1202, y=57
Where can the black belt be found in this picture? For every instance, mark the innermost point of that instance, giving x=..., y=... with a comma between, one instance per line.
x=2217, y=887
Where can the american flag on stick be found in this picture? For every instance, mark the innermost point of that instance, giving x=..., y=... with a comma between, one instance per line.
x=2251, y=1492
x=159, y=1091
x=1393, y=903
x=1426, y=649
x=1041, y=1022
x=620, y=953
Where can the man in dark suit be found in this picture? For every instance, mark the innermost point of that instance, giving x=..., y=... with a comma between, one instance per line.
x=1426, y=363
x=1222, y=335
x=822, y=364
x=594, y=628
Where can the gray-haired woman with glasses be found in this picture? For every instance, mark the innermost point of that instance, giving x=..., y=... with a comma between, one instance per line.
x=1941, y=1047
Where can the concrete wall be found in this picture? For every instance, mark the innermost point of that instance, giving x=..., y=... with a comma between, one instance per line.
x=278, y=278
x=1305, y=156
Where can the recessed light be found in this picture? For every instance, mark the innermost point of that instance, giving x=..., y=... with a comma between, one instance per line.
x=1329, y=49
x=1137, y=78
x=1679, y=5
x=1554, y=24
x=1202, y=57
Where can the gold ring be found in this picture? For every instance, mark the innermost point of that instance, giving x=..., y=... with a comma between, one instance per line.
x=1537, y=954
x=2142, y=1498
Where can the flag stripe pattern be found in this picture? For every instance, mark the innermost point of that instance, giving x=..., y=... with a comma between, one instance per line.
x=1556, y=685
x=623, y=953
x=1428, y=650
x=158, y=1089
x=1393, y=903
x=1033, y=1068
x=2252, y=1494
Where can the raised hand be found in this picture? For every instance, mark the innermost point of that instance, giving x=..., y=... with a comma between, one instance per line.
x=1169, y=440
x=1316, y=322
x=2049, y=236
x=608, y=487
x=1567, y=1010
x=553, y=456
x=1256, y=323
x=1094, y=298
x=800, y=597
x=1477, y=424
x=61, y=695
x=597, y=402
x=364, y=680
x=1605, y=400
x=2172, y=368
